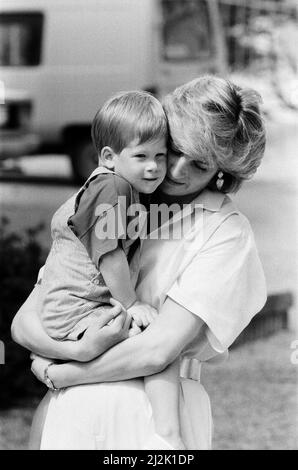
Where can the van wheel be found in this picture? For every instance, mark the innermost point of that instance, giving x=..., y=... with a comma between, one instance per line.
x=83, y=159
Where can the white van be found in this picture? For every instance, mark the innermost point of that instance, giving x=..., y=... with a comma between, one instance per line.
x=61, y=59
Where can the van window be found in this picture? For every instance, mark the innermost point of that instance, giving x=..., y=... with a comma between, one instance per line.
x=20, y=38
x=186, y=30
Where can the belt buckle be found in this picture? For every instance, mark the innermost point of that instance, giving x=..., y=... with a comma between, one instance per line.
x=190, y=368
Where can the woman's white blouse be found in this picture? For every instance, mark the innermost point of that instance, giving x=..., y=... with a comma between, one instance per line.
x=214, y=272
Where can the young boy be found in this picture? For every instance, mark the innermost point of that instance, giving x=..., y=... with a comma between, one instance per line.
x=88, y=261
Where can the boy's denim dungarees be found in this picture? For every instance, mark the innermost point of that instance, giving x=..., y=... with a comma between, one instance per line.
x=73, y=292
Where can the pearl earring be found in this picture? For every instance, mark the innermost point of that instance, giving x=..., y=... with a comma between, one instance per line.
x=220, y=180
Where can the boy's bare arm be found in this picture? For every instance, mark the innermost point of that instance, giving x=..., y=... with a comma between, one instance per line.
x=115, y=271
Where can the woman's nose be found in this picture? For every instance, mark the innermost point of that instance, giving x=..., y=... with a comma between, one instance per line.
x=178, y=167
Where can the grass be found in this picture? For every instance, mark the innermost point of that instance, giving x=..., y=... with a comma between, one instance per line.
x=254, y=396
x=254, y=400
x=14, y=428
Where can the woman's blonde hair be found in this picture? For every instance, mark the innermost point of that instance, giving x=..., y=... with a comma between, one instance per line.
x=215, y=120
x=127, y=116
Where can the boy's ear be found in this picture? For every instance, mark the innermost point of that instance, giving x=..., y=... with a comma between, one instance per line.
x=107, y=156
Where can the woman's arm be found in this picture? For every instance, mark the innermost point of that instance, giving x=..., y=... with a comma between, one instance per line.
x=138, y=356
x=27, y=331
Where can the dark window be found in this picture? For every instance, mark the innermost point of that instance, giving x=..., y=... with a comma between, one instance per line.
x=186, y=30
x=20, y=39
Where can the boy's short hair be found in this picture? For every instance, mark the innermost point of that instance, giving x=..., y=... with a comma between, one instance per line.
x=212, y=119
x=127, y=116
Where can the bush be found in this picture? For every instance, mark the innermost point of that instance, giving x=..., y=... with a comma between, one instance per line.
x=20, y=259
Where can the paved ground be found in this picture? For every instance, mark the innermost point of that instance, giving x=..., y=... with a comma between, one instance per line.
x=270, y=201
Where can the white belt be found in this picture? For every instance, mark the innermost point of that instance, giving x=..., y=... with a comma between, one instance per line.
x=190, y=369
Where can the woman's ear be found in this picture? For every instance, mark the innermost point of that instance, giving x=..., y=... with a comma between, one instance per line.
x=107, y=156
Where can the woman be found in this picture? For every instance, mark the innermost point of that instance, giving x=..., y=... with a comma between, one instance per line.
x=206, y=285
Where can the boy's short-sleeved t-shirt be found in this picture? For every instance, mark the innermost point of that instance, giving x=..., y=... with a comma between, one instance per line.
x=94, y=221
x=102, y=221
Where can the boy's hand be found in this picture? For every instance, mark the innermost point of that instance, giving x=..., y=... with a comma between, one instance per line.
x=134, y=329
x=142, y=314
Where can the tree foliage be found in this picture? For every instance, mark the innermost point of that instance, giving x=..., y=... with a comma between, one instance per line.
x=20, y=259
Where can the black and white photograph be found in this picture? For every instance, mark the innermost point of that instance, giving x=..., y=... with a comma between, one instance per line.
x=148, y=226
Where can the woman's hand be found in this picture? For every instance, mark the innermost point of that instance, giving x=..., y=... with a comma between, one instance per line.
x=109, y=329
x=112, y=327
x=38, y=366
x=27, y=331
